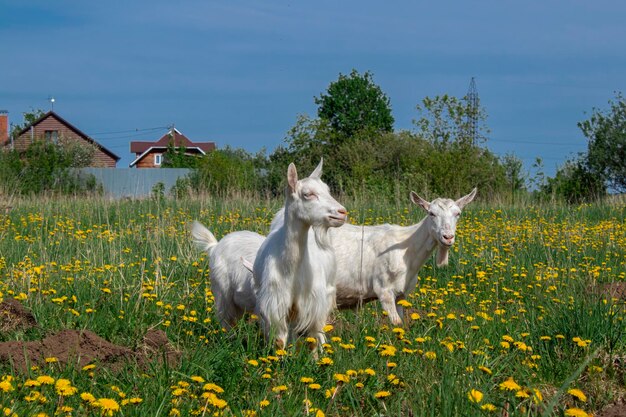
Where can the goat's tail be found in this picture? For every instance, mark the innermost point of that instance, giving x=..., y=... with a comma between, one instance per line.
x=202, y=237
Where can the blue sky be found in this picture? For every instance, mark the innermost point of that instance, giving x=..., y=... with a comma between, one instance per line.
x=240, y=72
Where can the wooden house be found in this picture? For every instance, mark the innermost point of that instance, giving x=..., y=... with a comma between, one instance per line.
x=52, y=127
x=151, y=154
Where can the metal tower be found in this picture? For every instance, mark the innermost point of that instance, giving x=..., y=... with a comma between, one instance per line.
x=472, y=114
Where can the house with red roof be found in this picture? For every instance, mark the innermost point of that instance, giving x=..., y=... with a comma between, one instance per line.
x=52, y=127
x=151, y=154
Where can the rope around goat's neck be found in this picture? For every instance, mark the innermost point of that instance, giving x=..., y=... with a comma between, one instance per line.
x=361, y=268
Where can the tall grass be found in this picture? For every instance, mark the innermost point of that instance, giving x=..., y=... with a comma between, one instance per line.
x=522, y=298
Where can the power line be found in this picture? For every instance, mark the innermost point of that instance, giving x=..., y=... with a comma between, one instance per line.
x=129, y=131
x=528, y=142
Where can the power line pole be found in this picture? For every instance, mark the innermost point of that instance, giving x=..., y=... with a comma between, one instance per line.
x=472, y=114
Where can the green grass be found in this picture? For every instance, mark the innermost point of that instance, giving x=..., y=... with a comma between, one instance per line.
x=522, y=284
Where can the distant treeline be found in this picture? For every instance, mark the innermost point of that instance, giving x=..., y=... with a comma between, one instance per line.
x=445, y=154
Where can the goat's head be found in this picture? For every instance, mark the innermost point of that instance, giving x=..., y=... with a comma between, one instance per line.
x=443, y=215
x=310, y=200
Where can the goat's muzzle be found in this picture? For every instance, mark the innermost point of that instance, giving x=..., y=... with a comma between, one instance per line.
x=338, y=218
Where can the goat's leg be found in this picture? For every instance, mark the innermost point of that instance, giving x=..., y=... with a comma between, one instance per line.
x=388, y=301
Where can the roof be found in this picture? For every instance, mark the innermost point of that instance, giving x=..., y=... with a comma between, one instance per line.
x=72, y=128
x=179, y=140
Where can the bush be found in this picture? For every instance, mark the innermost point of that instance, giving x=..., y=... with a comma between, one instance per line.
x=47, y=167
x=225, y=171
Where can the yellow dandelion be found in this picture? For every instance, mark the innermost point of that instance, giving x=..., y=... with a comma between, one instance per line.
x=510, y=385
x=578, y=394
x=576, y=412
x=341, y=378
x=85, y=396
x=485, y=370
x=430, y=355
x=213, y=387
x=488, y=407
x=6, y=386
x=475, y=396
x=45, y=379
x=108, y=405
x=306, y=380
x=325, y=361
x=382, y=394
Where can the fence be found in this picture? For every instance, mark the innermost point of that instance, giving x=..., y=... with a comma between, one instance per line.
x=132, y=182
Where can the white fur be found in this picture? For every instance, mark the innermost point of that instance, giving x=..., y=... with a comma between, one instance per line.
x=294, y=274
x=382, y=262
x=231, y=282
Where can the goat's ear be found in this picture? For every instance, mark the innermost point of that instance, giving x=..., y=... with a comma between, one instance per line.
x=317, y=172
x=292, y=177
x=463, y=201
x=416, y=199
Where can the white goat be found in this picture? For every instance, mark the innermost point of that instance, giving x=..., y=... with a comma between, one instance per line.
x=294, y=275
x=231, y=283
x=382, y=262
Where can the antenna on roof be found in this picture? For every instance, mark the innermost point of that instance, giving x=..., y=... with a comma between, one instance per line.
x=51, y=100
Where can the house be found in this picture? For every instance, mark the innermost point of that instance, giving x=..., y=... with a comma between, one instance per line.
x=52, y=127
x=4, y=128
x=150, y=154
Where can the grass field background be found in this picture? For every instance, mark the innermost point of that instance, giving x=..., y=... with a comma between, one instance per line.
x=527, y=319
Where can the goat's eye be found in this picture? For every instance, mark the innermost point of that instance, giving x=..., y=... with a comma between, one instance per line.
x=309, y=196
x=431, y=214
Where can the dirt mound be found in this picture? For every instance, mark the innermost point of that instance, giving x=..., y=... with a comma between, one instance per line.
x=14, y=316
x=615, y=290
x=615, y=410
x=77, y=347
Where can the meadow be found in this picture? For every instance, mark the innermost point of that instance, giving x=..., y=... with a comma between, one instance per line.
x=527, y=319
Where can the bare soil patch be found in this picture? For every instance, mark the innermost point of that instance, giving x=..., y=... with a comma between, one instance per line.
x=615, y=290
x=614, y=410
x=77, y=347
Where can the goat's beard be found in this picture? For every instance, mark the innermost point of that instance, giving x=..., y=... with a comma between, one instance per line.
x=442, y=255
x=322, y=237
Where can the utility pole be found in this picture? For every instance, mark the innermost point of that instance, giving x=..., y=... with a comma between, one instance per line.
x=472, y=114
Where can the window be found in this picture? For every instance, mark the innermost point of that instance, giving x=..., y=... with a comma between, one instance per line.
x=158, y=158
x=51, y=135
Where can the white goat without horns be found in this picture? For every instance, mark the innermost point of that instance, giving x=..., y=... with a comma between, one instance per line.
x=294, y=275
x=232, y=284
x=382, y=262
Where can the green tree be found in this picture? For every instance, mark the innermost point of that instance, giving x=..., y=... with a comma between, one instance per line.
x=454, y=163
x=513, y=170
x=178, y=158
x=224, y=171
x=29, y=118
x=574, y=183
x=354, y=102
x=445, y=119
x=45, y=166
x=606, y=152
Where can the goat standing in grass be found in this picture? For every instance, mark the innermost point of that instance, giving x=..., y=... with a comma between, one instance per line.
x=231, y=283
x=382, y=262
x=294, y=275
x=388, y=257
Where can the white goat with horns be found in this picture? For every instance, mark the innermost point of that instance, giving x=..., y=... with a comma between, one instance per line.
x=294, y=275
x=388, y=257
x=382, y=262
